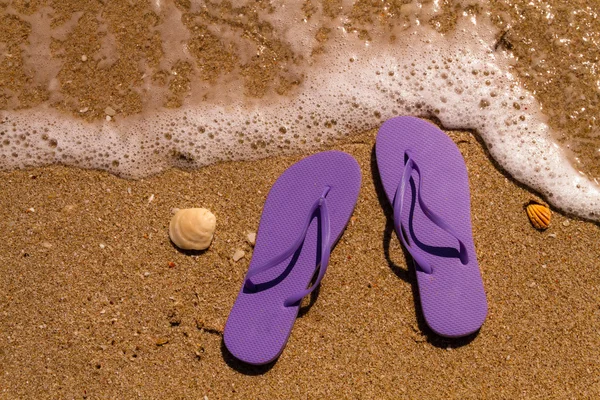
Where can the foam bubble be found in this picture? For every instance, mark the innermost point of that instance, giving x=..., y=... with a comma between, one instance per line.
x=455, y=78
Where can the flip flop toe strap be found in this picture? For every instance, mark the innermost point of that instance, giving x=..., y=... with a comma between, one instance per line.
x=321, y=205
x=423, y=264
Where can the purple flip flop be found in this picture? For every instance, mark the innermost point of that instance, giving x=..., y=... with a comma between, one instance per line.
x=425, y=179
x=304, y=215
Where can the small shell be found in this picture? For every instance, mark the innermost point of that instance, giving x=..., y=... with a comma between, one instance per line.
x=238, y=255
x=192, y=228
x=251, y=238
x=539, y=215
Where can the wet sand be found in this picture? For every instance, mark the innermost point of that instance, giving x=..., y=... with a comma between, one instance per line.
x=92, y=308
x=93, y=60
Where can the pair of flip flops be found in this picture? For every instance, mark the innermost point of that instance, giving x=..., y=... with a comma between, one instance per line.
x=425, y=179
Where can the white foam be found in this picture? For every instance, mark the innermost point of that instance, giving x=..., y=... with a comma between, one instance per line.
x=457, y=79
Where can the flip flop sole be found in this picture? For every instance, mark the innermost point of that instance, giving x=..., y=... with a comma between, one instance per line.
x=259, y=324
x=452, y=298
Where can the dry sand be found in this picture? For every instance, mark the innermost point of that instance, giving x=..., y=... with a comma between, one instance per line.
x=81, y=321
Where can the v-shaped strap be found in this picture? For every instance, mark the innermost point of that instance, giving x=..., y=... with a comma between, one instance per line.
x=321, y=205
x=422, y=264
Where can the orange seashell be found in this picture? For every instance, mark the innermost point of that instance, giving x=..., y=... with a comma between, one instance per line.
x=539, y=215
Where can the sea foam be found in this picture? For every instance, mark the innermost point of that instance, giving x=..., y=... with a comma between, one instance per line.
x=459, y=79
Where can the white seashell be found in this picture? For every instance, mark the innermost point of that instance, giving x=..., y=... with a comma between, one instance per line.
x=192, y=228
x=251, y=238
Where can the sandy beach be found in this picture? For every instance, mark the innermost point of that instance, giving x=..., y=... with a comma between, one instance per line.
x=97, y=302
